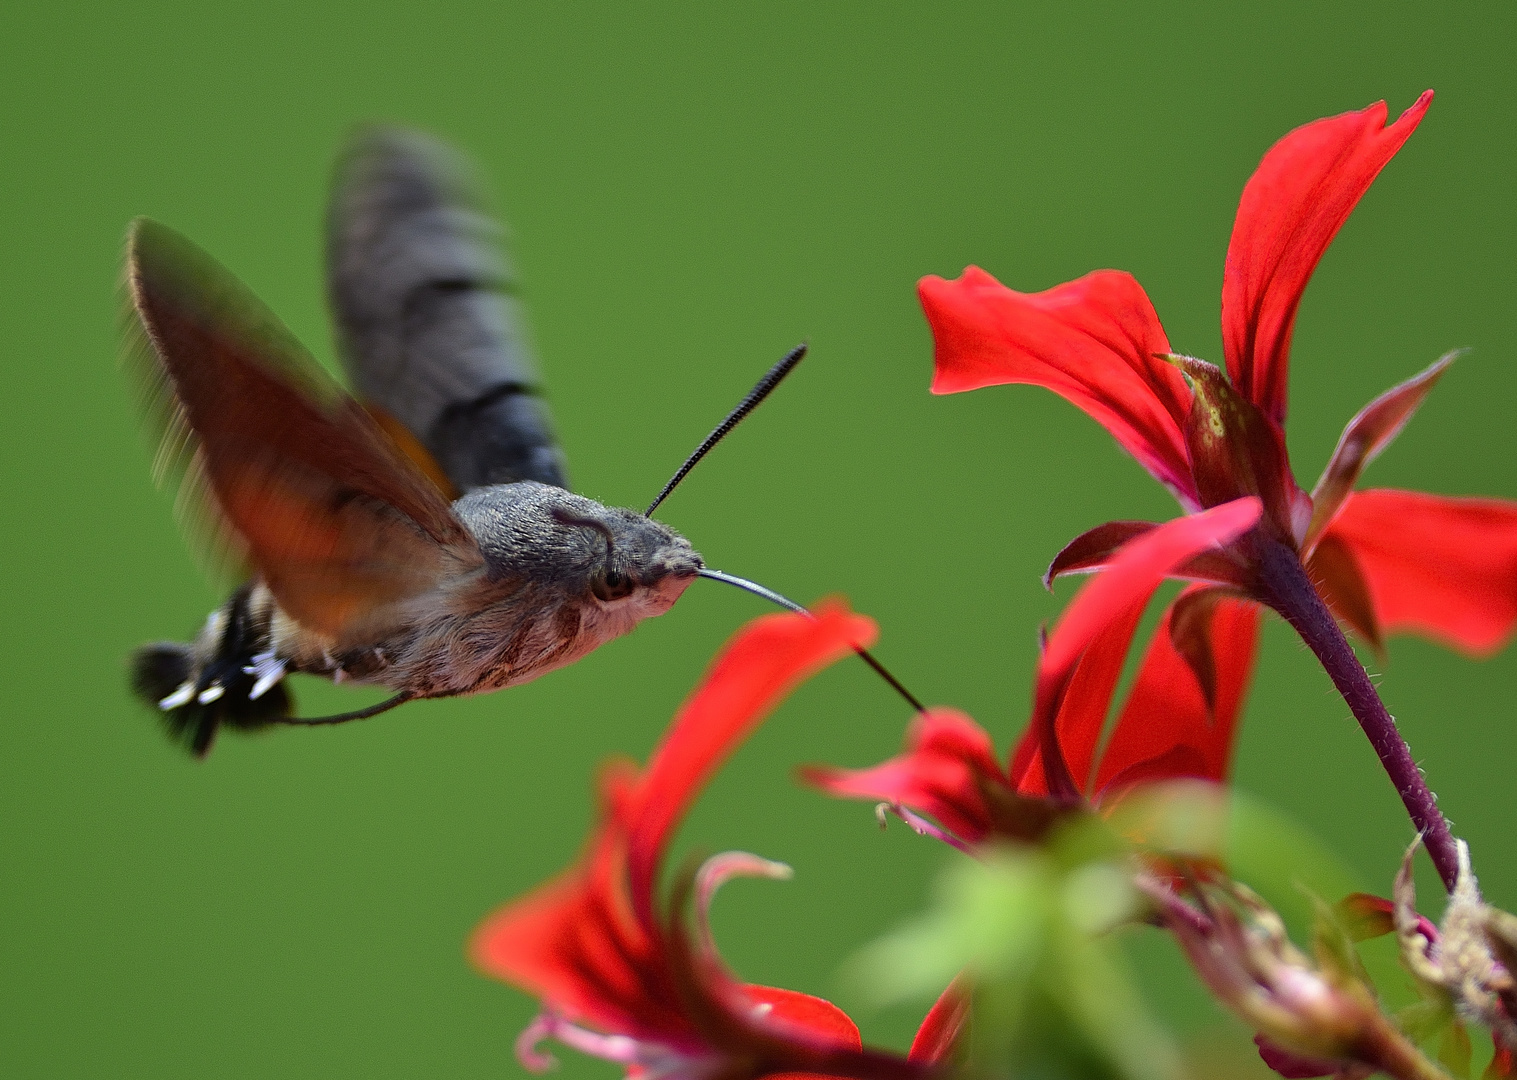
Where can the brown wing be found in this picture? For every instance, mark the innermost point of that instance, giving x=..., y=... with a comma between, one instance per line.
x=293, y=473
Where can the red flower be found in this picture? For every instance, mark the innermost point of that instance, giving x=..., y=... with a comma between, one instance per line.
x=1384, y=561
x=1167, y=729
x=1378, y=560
x=623, y=977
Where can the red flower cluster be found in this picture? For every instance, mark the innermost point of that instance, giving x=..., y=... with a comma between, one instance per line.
x=623, y=977
x=1166, y=730
x=629, y=975
x=1384, y=561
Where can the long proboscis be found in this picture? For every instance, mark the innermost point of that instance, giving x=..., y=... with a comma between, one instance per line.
x=785, y=602
x=755, y=397
x=342, y=718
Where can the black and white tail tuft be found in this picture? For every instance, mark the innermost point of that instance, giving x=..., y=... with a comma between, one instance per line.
x=220, y=680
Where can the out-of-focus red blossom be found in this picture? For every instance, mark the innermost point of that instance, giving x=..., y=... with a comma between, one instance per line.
x=944, y=1024
x=1384, y=561
x=1167, y=729
x=625, y=977
x=1294, y=1066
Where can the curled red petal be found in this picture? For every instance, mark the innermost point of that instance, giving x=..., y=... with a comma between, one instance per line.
x=589, y=943
x=1054, y=760
x=804, y=1015
x=1371, y=430
x=575, y=944
x=1501, y=1066
x=1365, y=916
x=1167, y=729
x=1292, y=207
x=1136, y=572
x=945, y=1022
x=757, y=669
x=1087, y=699
x=1436, y=565
x=1093, y=549
x=1095, y=619
x=1189, y=623
x=947, y=771
x=1092, y=341
x=1291, y=1065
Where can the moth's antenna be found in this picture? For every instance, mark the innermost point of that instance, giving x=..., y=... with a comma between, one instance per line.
x=342, y=718
x=785, y=602
x=735, y=417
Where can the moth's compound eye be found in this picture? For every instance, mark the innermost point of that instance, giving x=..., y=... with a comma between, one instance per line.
x=611, y=585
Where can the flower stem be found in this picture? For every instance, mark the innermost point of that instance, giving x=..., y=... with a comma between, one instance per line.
x=1289, y=591
x=1395, y=1055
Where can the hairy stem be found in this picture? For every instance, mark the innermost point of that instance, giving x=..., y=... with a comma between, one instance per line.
x=1395, y=1055
x=1290, y=592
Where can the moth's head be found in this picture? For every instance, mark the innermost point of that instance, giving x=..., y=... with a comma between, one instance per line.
x=618, y=558
x=643, y=563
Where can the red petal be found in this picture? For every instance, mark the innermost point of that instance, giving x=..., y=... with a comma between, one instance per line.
x=1190, y=627
x=1438, y=566
x=1137, y=571
x=1291, y=209
x=1093, y=549
x=588, y=943
x=806, y=1016
x=1291, y=1065
x=1370, y=431
x=1094, y=621
x=1167, y=730
x=943, y=1025
x=575, y=944
x=1092, y=341
x=757, y=669
x=948, y=765
x=1365, y=916
x=1082, y=711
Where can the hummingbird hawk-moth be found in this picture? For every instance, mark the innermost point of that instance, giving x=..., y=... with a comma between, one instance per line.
x=425, y=540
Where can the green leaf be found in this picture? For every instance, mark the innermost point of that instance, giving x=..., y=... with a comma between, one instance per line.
x=1098, y=994
x=1258, y=845
x=1454, y=1050
x=1027, y=927
x=990, y=918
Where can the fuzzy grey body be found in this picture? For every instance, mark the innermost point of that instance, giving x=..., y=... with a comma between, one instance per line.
x=540, y=599
x=560, y=576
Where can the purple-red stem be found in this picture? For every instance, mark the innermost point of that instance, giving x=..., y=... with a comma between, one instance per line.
x=1291, y=593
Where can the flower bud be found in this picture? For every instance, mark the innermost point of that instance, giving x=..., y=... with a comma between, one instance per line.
x=1317, y=1009
x=1469, y=962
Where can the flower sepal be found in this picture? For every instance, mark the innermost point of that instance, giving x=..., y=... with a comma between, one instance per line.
x=1372, y=429
x=1236, y=450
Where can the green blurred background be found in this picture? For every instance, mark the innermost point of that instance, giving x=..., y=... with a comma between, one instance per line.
x=692, y=191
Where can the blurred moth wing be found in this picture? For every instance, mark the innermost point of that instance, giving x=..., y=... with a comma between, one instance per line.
x=340, y=525
x=428, y=323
